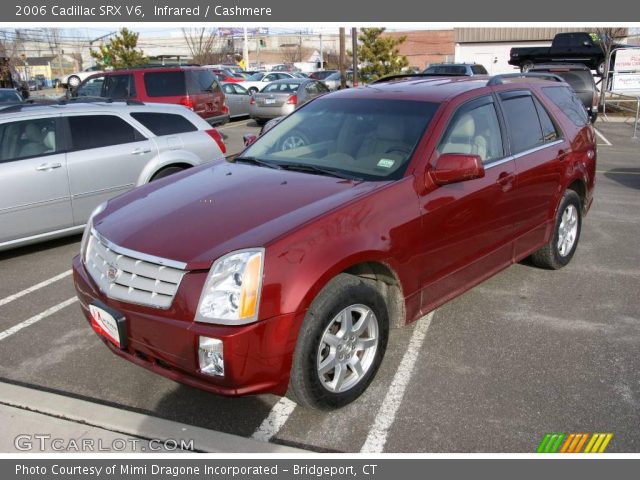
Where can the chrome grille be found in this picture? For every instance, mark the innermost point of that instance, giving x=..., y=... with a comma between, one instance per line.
x=132, y=276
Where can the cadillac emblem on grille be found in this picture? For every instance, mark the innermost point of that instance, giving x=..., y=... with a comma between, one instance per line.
x=112, y=273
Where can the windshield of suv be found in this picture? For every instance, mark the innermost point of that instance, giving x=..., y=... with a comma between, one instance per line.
x=358, y=138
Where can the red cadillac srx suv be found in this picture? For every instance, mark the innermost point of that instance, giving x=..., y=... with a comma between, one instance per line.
x=282, y=270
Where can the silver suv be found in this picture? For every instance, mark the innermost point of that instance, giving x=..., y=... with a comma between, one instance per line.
x=59, y=161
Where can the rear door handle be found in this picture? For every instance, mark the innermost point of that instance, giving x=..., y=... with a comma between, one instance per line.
x=140, y=151
x=505, y=180
x=45, y=167
x=562, y=154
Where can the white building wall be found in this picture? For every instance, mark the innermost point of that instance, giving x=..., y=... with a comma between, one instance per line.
x=494, y=56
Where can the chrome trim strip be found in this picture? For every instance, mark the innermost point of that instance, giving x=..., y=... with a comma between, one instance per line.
x=44, y=236
x=139, y=255
x=26, y=206
x=522, y=154
x=128, y=186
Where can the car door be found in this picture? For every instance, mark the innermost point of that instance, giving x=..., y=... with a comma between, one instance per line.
x=243, y=98
x=231, y=99
x=538, y=149
x=34, y=191
x=105, y=158
x=468, y=226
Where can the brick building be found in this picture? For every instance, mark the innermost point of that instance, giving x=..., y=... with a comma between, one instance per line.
x=424, y=47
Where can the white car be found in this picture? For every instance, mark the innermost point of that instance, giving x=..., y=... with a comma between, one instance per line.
x=74, y=79
x=256, y=82
x=58, y=162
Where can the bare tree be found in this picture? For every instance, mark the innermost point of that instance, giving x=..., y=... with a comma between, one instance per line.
x=205, y=45
x=294, y=53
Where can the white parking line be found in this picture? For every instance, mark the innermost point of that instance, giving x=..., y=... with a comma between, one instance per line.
x=602, y=137
x=377, y=437
x=38, y=286
x=278, y=416
x=233, y=125
x=37, y=318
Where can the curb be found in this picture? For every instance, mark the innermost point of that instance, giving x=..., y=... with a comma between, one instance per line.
x=131, y=423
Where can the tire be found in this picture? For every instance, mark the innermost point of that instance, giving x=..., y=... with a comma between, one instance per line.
x=260, y=121
x=558, y=253
x=526, y=66
x=294, y=139
x=253, y=90
x=600, y=68
x=165, y=172
x=346, y=297
x=73, y=81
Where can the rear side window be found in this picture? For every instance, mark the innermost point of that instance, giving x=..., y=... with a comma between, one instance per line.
x=95, y=131
x=281, y=88
x=549, y=130
x=165, y=84
x=567, y=101
x=164, y=123
x=479, y=70
x=29, y=138
x=520, y=112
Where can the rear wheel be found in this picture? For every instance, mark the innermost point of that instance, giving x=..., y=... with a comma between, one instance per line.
x=600, y=68
x=253, y=90
x=560, y=249
x=165, y=172
x=340, y=345
x=73, y=81
x=526, y=66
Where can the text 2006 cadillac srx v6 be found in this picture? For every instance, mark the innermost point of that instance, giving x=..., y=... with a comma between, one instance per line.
x=283, y=270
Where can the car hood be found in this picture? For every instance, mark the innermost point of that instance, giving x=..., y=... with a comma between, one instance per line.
x=199, y=215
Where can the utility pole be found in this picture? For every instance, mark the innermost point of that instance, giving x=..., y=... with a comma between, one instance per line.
x=321, y=54
x=354, y=48
x=343, y=80
x=245, y=50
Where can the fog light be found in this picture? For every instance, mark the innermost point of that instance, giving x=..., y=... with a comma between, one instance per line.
x=210, y=356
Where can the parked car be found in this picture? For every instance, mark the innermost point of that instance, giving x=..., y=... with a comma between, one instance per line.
x=58, y=162
x=579, y=77
x=289, y=276
x=193, y=87
x=456, y=69
x=259, y=80
x=573, y=47
x=283, y=96
x=237, y=98
x=333, y=81
x=226, y=76
x=9, y=96
x=34, y=85
x=321, y=74
x=74, y=79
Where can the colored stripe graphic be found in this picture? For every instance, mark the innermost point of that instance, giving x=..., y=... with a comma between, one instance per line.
x=573, y=442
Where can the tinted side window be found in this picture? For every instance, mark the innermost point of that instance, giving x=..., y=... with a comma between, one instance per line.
x=562, y=40
x=479, y=70
x=164, y=123
x=202, y=81
x=474, y=130
x=521, y=116
x=567, y=101
x=165, y=84
x=29, y=138
x=92, y=87
x=549, y=130
x=119, y=86
x=94, y=131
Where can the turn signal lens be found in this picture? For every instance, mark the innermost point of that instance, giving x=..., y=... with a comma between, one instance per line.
x=250, y=287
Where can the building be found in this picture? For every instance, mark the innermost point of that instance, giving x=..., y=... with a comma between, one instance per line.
x=48, y=68
x=424, y=47
x=490, y=46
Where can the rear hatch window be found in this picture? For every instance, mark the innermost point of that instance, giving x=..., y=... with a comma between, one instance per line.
x=201, y=81
x=165, y=84
x=164, y=123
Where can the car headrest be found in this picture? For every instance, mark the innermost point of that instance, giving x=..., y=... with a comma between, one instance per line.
x=390, y=131
x=50, y=140
x=33, y=133
x=465, y=127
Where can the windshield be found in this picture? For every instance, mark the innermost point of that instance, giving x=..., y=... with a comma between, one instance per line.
x=361, y=138
x=256, y=77
x=8, y=96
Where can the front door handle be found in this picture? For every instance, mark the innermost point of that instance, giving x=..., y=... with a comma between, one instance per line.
x=45, y=167
x=140, y=151
x=505, y=180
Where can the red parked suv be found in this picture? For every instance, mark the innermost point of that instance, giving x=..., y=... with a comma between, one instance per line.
x=284, y=269
x=194, y=87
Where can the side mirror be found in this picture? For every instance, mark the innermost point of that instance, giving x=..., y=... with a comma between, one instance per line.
x=249, y=138
x=457, y=167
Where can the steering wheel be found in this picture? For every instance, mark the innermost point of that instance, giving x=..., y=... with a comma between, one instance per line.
x=294, y=139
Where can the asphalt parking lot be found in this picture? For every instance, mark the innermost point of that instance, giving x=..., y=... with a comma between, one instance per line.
x=528, y=352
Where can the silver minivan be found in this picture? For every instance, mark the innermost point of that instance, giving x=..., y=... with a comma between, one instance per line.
x=58, y=162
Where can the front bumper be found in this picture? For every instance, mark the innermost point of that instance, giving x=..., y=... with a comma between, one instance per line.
x=257, y=356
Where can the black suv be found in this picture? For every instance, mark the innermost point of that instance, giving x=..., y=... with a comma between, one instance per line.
x=579, y=77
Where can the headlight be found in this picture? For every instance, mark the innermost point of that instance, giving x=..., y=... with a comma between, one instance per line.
x=87, y=229
x=231, y=294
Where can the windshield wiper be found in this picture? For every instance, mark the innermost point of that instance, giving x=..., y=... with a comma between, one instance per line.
x=305, y=167
x=257, y=161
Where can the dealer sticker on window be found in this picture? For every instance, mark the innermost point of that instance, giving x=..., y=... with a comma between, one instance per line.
x=386, y=163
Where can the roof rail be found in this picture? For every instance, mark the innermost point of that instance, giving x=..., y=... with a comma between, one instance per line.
x=16, y=107
x=89, y=99
x=411, y=75
x=500, y=79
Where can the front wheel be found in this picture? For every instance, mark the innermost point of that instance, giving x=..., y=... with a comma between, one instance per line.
x=564, y=241
x=526, y=66
x=600, y=68
x=165, y=172
x=73, y=81
x=340, y=345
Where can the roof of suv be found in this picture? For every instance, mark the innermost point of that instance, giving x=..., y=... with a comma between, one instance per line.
x=438, y=89
x=30, y=109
